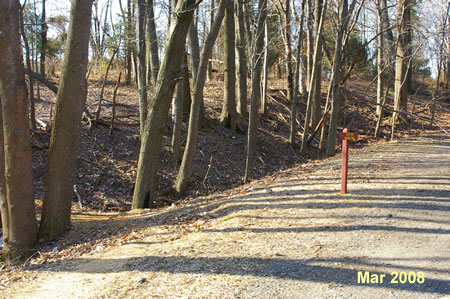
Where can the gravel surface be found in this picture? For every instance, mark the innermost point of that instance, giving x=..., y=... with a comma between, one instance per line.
x=289, y=237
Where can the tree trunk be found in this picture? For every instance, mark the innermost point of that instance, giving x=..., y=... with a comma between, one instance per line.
x=195, y=49
x=141, y=75
x=262, y=109
x=402, y=58
x=155, y=123
x=153, y=41
x=312, y=80
x=380, y=57
x=16, y=177
x=256, y=91
x=293, y=129
x=43, y=38
x=211, y=21
x=70, y=103
x=183, y=95
x=241, y=45
x=228, y=115
x=195, y=60
x=317, y=68
x=287, y=46
x=310, y=45
x=30, y=78
x=128, y=38
x=335, y=93
x=100, y=97
x=191, y=143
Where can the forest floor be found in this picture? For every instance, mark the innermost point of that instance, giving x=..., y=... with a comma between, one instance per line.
x=287, y=235
x=107, y=165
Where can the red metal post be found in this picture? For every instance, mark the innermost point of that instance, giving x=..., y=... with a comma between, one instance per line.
x=344, y=163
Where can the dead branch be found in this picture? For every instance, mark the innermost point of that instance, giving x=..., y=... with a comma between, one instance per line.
x=50, y=85
x=111, y=128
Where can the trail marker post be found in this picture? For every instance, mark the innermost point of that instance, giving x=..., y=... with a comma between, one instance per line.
x=345, y=136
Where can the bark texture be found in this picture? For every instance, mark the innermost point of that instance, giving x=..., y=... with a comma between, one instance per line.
x=159, y=106
x=335, y=93
x=64, y=142
x=141, y=70
x=241, y=45
x=402, y=58
x=153, y=41
x=228, y=115
x=17, y=204
x=256, y=91
x=191, y=143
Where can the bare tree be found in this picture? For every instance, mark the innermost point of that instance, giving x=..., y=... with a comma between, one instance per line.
x=336, y=99
x=43, y=38
x=70, y=103
x=153, y=41
x=312, y=79
x=16, y=182
x=256, y=83
x=158, y=109
x=228, y=116
x=402, y=61
x=241, y=45
x=29, y=66
x=293, y=129
x=191, y=143
x=317, y=68
x=141, y=76
x=287, y=34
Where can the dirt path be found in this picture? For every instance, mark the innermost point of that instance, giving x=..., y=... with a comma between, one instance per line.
x=293, y=237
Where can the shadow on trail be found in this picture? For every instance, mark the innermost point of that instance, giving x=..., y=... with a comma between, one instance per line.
x=291, y=269
x=329, y=228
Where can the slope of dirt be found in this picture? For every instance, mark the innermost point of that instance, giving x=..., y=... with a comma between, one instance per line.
x=291, y=235
x=107, y=165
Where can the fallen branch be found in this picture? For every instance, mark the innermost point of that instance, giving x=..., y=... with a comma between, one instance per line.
x=50, y=85
x=111, y=128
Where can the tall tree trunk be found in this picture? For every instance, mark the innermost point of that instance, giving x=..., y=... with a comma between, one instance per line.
x=70, y=103
x=287, y=46
x=153, y=41
x=191, y=143
x=195, y=49
x=141, y=75
x=183, y=94
x=195, y=59
x=312, y=80
x=151, y=138
x=310, y=44
x=262, y=109
x=335, y=93
x=30, y=78
x=211, y=21
x=293, y=129
x=4, y=214
x=317, y=68
x=17, y=207
x=247, y=15
x=128, y=39
x=256, y=85
x=43, y=38
x=241, y=45
x=228, y=115
x=380, y=57
x=402, y=58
